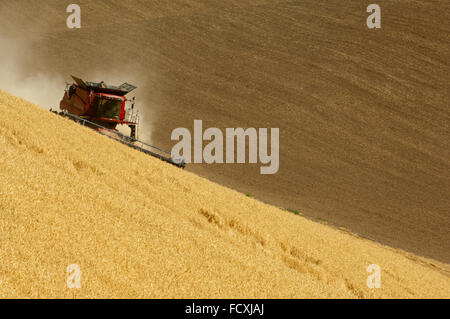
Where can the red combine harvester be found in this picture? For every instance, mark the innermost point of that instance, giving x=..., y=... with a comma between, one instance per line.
x=103, y=107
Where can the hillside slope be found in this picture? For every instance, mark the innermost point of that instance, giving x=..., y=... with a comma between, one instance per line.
x=363, y=114
x=138, y=227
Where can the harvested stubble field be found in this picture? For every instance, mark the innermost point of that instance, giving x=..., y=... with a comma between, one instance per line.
x=138, y=227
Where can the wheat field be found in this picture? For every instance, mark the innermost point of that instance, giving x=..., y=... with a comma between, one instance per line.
x=138, y=227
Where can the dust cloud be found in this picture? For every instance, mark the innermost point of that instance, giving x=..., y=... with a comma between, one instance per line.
x=39, y=88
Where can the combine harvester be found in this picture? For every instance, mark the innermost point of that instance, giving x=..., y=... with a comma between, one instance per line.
x=103, y=107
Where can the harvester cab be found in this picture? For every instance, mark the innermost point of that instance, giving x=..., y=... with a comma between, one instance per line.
x=102, y=104
x=103, y=107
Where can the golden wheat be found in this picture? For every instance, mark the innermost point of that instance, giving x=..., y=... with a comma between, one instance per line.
x=138, y=227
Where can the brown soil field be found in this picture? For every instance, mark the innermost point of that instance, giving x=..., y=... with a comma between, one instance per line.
x=363, y=114
x=138, y=227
